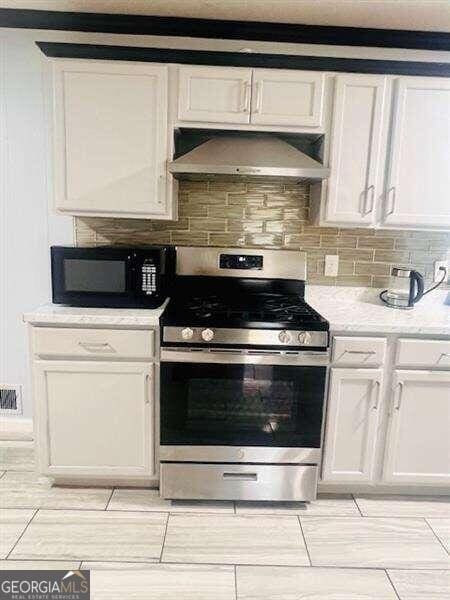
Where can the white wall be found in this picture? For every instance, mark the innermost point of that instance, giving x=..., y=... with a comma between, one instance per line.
x=27, y=226
x=27, y=231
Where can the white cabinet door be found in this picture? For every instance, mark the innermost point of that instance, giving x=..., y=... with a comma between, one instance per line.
x=418, y=444
x=287, y=98
x=214, y=94
x=95, y=418
x=355, y=182
x=111, y=139
x=352, y=420
x=417, y=192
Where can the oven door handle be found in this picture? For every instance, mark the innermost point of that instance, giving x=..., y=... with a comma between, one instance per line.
x=301, y=358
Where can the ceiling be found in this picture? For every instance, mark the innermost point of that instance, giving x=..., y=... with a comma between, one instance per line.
x=425, y=15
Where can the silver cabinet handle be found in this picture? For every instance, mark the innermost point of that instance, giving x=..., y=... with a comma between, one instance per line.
x=241, y=476
x=161, y=190
x=443, y=355
x=399, y=397
x=377, y=384
x=391, y=191
x=245, y=96
x=147, y=391
x=370, y=192
x=248, y=87
x=368, y=352
x=96, y=346
x=258, y=104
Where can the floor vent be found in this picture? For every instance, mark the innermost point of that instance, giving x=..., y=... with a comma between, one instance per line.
x=10, y=400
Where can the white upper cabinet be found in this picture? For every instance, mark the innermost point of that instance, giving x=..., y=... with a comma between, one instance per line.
x=355, y=183
x=417, y=191
x=214, y=94
x=352, y=422
x=250, y=96
x=418, y=444
x=287, y=98
x=389, y=160
x=111, y=139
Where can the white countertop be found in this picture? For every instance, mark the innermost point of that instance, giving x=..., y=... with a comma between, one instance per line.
x=56, y=314
x=349, y=309
x=355, y=309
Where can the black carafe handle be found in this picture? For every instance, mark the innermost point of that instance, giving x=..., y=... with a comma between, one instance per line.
x=417, y=286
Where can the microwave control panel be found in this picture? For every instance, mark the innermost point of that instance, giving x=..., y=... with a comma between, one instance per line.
x=148, y=277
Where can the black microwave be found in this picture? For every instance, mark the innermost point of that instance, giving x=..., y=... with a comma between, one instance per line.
x=112, y=277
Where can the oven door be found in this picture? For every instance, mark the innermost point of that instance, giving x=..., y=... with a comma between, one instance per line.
x=241, y=406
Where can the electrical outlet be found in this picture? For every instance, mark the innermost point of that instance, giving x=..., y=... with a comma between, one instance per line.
x=331, y=265
x=438, y=272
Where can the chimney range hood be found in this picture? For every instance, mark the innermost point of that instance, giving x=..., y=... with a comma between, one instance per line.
x=261, y=155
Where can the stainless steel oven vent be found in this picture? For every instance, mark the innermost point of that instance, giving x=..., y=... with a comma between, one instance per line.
x=264, y=155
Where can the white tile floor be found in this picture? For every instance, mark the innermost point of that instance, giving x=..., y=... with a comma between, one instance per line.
x=139, y=546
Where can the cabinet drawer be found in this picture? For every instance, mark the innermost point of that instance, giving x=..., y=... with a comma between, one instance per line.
x=238, y=482
x=93, y=343
x=423, y=353
x=358, y=350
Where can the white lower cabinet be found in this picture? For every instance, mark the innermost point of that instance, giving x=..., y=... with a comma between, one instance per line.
x=352, y=423
x=95, y=419
x=418, y=443
x=388, y=435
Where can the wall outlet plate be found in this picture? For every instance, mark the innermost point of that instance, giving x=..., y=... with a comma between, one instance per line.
x=438, y=273
x=331, y=265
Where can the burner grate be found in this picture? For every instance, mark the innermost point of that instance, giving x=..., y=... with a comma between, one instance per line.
x=252, y=307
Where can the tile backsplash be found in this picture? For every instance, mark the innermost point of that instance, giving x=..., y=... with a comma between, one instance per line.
x=268, y=214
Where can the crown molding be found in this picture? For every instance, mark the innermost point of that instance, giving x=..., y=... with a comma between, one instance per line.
x=220, y=29
x=239, y=59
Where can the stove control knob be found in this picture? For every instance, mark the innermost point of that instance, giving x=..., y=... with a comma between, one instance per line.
x=207, y=335
x=284, y=337
x=304, y=338
x=187, y=333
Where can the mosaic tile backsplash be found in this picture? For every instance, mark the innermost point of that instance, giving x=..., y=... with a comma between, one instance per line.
x=266, y=214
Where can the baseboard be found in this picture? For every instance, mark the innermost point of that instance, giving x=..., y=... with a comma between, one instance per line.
x=124, y=482
x=379, y=488
x=16, y=429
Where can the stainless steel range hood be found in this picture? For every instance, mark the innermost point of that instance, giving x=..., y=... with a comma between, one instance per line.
x=263, y=156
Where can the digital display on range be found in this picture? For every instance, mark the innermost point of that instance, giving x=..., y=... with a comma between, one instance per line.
x=241, y=261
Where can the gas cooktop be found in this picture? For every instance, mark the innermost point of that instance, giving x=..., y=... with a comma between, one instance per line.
x=270, y=310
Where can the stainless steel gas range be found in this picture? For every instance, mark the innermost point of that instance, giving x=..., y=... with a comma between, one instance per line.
x=243, y=370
